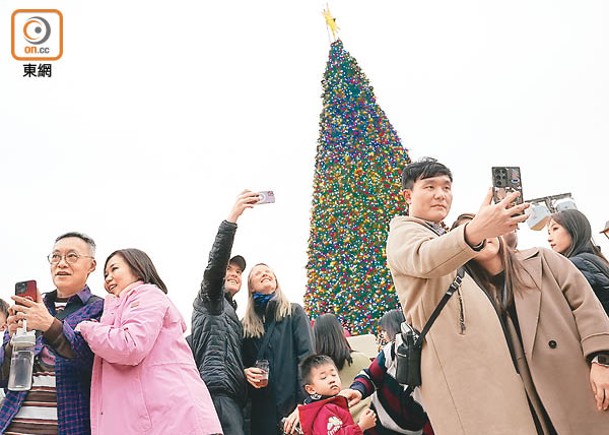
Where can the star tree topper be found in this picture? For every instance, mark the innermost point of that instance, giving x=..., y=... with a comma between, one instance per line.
x=330, y=22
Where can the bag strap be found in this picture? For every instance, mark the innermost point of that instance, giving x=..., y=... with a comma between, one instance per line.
x=451, y=289
x=265, y=341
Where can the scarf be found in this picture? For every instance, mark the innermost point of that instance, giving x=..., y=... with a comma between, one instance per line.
x=261, y=301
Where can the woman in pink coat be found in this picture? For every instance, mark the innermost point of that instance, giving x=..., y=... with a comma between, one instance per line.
x=144, y=377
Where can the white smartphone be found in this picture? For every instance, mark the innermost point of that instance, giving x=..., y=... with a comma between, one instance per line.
x=266, y=197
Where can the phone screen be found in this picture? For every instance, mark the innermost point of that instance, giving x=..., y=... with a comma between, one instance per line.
x=266, y=197
x=26, y=289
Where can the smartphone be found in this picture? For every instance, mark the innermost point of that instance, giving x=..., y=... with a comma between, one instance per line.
x=266, y=197
x=27, y=289
x=506, y=179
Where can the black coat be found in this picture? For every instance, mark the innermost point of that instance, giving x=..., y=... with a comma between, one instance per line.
x=596, y=272
x=217, y=333
x=290, y=343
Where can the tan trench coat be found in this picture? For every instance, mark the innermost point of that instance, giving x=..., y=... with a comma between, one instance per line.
x=470, y=385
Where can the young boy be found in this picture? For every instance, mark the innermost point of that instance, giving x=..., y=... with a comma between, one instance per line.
x=325, y=412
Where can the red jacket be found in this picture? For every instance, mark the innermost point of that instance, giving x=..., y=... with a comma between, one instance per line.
x=328, y=417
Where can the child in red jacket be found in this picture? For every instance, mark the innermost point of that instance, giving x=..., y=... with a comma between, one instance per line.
x=325, y=412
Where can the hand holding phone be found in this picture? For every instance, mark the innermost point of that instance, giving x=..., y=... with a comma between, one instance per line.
x=506, y=179
x=266, y=197
x=27, y=289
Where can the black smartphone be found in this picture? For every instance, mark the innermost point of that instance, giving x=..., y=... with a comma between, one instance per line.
x=506, y=179
x=27, y=289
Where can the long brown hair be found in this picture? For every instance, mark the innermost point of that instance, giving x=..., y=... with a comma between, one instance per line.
x=578, y=226
x=329, y=338
x=141, y=265
x=513, y=272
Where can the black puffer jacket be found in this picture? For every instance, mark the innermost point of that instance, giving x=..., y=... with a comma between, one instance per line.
x=217, y=333
x=596, y=272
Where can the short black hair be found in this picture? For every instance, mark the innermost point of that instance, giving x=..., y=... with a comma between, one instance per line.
x=312, y=362
x=427, y=167
x=82, y=236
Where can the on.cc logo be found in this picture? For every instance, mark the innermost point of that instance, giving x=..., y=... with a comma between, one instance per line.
x=36, y=30
x=37, y=34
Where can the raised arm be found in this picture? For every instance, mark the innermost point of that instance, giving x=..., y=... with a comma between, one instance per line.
x=213, y=276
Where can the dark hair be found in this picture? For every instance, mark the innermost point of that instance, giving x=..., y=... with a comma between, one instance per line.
x=141, y=265
x=427, y=167
x=504, y=296
x=4, y=306
x=82, y=236
x=312, y=362
x=391, y=322
x=329, y=338
x=514, y=277
x=578, y=226
x=461, y=219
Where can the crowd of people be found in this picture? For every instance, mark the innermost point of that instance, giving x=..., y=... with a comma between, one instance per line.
x=521, y=348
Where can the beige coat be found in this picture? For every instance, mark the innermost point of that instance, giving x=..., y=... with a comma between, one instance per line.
x=470, y=385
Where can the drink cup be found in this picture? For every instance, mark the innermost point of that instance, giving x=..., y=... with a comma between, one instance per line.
x=263, y=364
x=22, y=361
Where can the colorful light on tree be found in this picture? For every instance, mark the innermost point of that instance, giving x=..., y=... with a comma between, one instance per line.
x=356, y=192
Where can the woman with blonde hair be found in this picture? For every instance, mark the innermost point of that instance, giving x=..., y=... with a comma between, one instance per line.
x=279, y=332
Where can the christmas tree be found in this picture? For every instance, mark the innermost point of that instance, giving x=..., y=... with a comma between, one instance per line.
x=356, y=192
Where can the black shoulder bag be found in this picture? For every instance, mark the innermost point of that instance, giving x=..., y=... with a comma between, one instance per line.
x=408, y=353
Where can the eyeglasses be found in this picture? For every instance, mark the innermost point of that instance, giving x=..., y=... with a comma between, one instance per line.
x=70, y=258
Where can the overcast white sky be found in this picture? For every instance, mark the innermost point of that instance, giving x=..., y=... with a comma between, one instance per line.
x=159, y=114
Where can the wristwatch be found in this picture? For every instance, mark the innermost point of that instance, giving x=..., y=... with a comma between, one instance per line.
x=601, y=359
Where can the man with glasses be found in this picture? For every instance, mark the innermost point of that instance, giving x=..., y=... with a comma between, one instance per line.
x=58, y=402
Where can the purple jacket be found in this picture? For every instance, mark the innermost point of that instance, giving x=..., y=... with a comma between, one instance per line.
x=145, y=380
x=73, y=375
